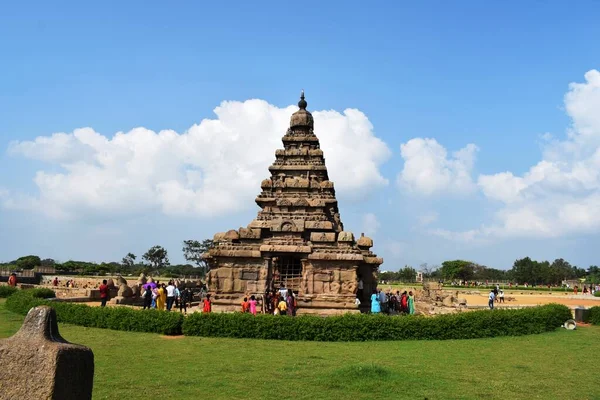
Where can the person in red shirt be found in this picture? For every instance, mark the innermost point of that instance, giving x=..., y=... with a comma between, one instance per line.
x=103, y=293
x=12, y=279
x=207, y=304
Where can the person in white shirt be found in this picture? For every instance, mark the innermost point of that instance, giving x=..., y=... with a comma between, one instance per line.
x=501, y=297
x=283, y=291
x=170, y=295
x=491, y=299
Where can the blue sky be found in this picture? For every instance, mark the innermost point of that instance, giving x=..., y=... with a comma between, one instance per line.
x=494, y=75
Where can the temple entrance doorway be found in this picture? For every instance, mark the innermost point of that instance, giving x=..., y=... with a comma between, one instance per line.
x=287, y=269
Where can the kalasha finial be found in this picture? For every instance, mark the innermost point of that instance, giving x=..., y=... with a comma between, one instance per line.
x=302, y=103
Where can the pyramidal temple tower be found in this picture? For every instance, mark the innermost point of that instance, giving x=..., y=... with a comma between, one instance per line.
x=297, y=239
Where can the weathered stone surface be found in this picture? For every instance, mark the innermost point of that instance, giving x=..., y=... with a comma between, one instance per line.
x=249, y=233
x=285, y=249
x=322, y=237
x=250, y=275
x=37, y=363
x=364, y=241
x=345, y=236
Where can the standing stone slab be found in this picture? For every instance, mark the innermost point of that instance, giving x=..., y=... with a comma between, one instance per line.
x=37, y=363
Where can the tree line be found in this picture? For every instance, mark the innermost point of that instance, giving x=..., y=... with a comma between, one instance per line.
x=524, y=270
x=155, y=261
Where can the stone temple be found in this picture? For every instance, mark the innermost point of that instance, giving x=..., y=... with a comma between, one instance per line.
x=297, y=239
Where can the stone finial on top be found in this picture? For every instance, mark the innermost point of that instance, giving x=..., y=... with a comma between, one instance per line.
x=37, y=363
x=302, y=118
x=302, y=104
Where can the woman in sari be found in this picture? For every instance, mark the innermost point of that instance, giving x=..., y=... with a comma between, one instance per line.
x=411, y=303
x=161, y=300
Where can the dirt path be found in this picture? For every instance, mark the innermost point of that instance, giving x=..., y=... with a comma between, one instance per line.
x=529, y=300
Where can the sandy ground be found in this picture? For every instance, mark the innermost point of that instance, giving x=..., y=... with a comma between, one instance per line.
x=531, y=300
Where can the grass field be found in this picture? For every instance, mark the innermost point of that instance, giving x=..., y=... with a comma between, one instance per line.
x=141, y=366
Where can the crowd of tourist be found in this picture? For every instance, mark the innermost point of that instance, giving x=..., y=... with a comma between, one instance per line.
x=392, y=303
x=159, y=296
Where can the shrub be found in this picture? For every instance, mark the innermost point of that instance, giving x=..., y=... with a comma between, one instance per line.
x=41, y=293
x=6, y=291
x=597, y=293
x=595, y=315
x=360, y=327
x=117, y=318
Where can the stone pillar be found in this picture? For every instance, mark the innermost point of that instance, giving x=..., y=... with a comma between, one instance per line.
x=37, y=363
x=267, y=266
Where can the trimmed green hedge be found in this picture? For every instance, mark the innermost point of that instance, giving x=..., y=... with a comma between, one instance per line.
x=349, y=327
x=6, y=291
x=117, y=318
x=595, y=315
x=361, y=327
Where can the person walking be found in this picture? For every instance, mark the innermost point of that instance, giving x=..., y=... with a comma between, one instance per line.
x=103, y=293
x=491, y=298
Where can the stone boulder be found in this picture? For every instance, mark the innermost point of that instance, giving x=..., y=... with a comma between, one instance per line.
x=37, y=363
x=110, y=283
x=448, y=301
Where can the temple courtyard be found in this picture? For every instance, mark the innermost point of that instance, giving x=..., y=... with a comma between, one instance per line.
x=140, y=366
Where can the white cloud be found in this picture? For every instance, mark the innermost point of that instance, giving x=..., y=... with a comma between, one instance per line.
x=560, y=194
x=370, y=224
x=428, y=170
x=213, y=168
x=428, y=218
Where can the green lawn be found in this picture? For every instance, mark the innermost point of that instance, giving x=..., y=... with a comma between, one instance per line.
x=555, y=365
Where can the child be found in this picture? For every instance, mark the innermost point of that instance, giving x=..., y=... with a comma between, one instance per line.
x=252, y=304
x=207, y=304
x=282, y=306
x=245, y=305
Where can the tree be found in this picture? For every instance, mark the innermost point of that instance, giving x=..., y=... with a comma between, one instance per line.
x=457, y=269
x=193, y=251
x=407, y=274
x=429, y=271
x=28, y=262
x=129, y=260
x=48, y=262
x=157, y=257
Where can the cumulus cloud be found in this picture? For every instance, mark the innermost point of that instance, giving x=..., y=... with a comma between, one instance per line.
x=213, y=168
x=428, y=170
x=370, y=224
x=560, y=194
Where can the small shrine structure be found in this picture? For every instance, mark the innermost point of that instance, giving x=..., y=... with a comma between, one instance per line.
x=297, y=239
